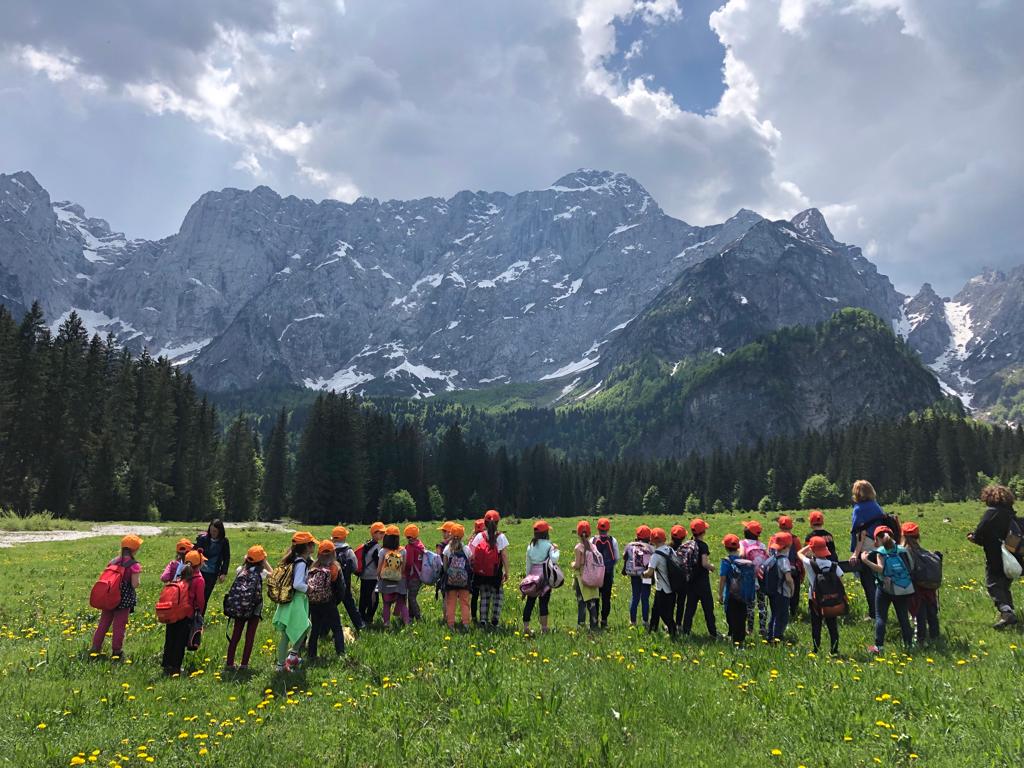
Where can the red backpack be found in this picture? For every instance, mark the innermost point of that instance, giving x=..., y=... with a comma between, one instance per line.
x=106, y=592
x=174, y=603
x=486, y=558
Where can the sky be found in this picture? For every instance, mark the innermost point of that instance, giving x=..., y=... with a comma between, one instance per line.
x=897, y=118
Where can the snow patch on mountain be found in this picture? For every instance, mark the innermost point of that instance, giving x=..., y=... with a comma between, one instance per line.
x=342, y=381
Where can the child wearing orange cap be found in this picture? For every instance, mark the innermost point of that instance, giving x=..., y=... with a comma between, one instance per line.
x=664, y=598
x=683, y=549
x=248, y=581
x=778, y=583
x=786, y=526
x=458, y=575
x=474, y=590
x=177, y=635
x=414, y=551
x=926, y=573
x=698, y=590
x=635, y=562
x=609, y=548
x=173, y=568
x=890, y=565
x=347, y=561
x=490, y=569
x=817, y=520
x=586, y=597
x=391, y=583
x=325, y=588
x=752, y=549
x=539, y=552
x=819, y=560
x=367, y=556
x=736, y=588
x=291, y=619
x=116, y=619
x=439, y=586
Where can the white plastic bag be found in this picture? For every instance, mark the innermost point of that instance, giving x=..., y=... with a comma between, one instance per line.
x=1011, y=566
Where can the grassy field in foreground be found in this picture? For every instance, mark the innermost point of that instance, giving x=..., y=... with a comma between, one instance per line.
x=422, y=696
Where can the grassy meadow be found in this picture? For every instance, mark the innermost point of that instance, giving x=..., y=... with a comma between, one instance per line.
x=423, y=696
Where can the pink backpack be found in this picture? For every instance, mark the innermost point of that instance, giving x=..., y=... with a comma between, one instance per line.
x=592, y=574
x=754, y=551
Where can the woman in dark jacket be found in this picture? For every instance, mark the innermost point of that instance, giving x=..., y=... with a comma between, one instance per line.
x=215, y=548
x=989, y=535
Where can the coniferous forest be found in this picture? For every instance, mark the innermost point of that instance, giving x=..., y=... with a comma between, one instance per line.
x=88, y=431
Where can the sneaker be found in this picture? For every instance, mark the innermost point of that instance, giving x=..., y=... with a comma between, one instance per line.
x=877, y=650
x=292, y=663
x=1006, y=619
x=279, y=667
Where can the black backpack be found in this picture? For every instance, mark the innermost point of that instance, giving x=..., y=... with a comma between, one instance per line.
x=771, y=576
x=829, y=594
x=677, y=577
x=927, y=569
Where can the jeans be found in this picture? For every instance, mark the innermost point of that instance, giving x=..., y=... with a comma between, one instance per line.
x=664, y=602
x=641, y=598
x=119, y=621
x=902, y=605
x=368, y=599
x=870, y=585
x=531, y=601
x=606, y=594
x=736, y=618
x=249, y=626
x=324, y=620
x=831, y=622
x=780, y=616
x=585, y=607
x=699, y=592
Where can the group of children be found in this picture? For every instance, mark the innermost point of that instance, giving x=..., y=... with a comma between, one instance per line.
x=757, y=583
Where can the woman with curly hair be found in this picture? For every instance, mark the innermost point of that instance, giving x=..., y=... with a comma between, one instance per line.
x=989, y=535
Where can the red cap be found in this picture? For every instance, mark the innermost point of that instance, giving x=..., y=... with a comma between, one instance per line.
x=492, y=514
x=731, y=541
x=819, y=546
x=882, y=529
x=783, y=540
x=753, y=526
x=604, y=524
x=541, y=526
x=583, y=528
x=643, y=533
x=785, y=523
x=698, y=526
x=816, y=517
x=478, y=526
x=910, y=529
x=678, y=531
x=657, y=534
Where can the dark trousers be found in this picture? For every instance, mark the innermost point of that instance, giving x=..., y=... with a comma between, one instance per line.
x=679, y=604
x=927, y=621
x=699, y=593
x=325, y=619
x=606, y=595
x=870, y=585
x=175, y=640
x=999, y=588
x=736, y=618
x=249, y=626
x=902, y=605
x=532, y=601
x=794, y=601
x=780, y=616
x=211, y=582
x=585, y=607
x=350, y=605
x=368, y=600
x=831, y=622
x=641, y=598
x=662, y=610
x=474, y=600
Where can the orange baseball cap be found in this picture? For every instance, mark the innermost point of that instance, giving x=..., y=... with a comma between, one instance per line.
x=753, y=526
x=819, y=546
x=339, y=532
x=195, y=558
x=391, y=530
x=604, y=524
x=678, y=531
x=492, y=514
x=911, y=529
x=583, y=528
x=377, y=528
x=698, y=526
x=657, y=534
x=783, y=539
x=816, y=517
x=731, y=541
x=131, y=541
x=478, y=526
x=256, y=554
x=882, y=529
x=303, y=537
x=183, y=545
x=785, y=523
x=446, y=526
x=643, y=533
x=412, y=531
x=541, y=526
x=325, y=546
x=457, y=531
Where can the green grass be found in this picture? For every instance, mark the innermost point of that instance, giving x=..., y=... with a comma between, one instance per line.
x=424, y=697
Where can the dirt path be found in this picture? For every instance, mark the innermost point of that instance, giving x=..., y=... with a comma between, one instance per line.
x=13, y=538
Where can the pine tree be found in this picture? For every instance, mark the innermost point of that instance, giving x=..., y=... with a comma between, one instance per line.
x=273, y=499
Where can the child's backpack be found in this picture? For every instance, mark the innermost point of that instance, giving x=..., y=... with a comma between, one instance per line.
x=318, y=586
x=341, y=554
x=533, y=585
x=365, y=553
x=754, y=551
x=414, y=562
x=457, y=574
x=829, y=594
x=174, y=603
x=391, y=566
x=106, y=592
x=741, y=583
x=280, y=587
x=430, y=567
x=896, y=578
x=677, y=578
x=486, y=558
x=927, y=570
x=689, y=559
x=195, y=633
x=606, y=548
x=592, y=573
x=770, y=576
x=553, y=575
x=794, y=559
x=245, y=597
x=638, y=560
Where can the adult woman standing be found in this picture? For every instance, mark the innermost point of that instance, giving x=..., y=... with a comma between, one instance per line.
x=215, y=548
x=866, y=516
x=989, y=535
x=538, y=552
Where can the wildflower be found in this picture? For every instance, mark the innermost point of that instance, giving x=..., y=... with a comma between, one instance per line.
x=776, y=752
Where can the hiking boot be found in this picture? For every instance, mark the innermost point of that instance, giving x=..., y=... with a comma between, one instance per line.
x=1006, y=619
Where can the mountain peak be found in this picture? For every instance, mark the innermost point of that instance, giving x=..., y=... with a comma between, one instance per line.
x=812, y=224
x=603, y=182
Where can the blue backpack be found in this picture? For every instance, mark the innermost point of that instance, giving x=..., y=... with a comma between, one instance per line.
x=741, y=583
x=896, y=578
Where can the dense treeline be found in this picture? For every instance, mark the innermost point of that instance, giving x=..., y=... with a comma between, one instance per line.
x=88, y=431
